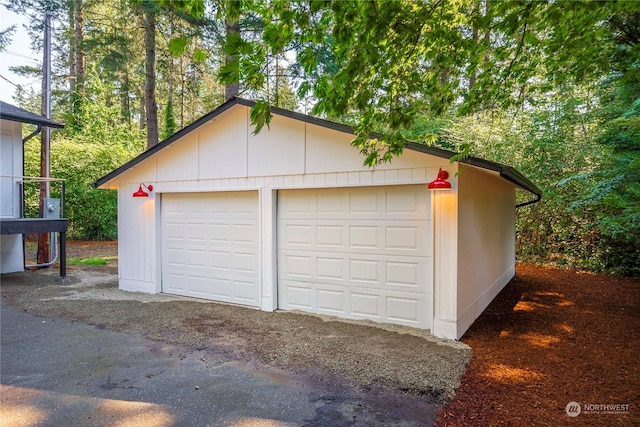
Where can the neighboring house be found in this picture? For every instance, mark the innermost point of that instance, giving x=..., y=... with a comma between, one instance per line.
x=13, y=224
x=290, y=219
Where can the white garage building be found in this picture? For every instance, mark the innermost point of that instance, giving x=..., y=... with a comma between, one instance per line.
x=290, y=219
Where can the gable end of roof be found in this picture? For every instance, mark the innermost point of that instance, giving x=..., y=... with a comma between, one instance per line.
x=506, y=172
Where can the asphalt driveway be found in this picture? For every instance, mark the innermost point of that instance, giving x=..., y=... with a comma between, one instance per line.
x=58, y=372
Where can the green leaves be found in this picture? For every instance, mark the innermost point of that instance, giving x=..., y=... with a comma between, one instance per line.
x=195, y=8
x=260, y=115
x=178, y=45
x=200, y=55
x=548, y=86
x=278, y=35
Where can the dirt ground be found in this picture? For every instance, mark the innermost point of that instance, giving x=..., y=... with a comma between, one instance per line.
x=550, y=338
x=406, y=371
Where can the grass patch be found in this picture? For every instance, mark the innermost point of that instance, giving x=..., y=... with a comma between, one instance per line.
x=87, y=261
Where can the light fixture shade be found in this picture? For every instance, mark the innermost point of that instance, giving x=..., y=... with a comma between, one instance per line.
x=141, y=192
x=440, y=183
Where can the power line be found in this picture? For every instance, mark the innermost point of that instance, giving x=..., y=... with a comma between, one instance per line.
x=19, y=55
x=10, y=82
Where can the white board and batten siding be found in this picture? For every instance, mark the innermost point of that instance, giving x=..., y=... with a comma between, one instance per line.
x=138, y=239
x=11, y=169
x=359, y=253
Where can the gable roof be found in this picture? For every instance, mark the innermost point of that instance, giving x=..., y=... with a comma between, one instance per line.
x=17, y=114
x=506, y=172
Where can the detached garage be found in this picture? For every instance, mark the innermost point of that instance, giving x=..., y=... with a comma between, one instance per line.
x=290, y=219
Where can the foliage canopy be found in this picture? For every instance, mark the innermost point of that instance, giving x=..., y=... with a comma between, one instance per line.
x=548, y=87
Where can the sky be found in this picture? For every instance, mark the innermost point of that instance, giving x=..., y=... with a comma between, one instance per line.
x=18, y=53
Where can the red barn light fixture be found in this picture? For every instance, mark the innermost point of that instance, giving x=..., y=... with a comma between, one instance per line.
x=141, y=192
x=440, y=183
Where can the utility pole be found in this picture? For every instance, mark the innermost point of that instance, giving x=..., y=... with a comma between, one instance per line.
x=45, y=142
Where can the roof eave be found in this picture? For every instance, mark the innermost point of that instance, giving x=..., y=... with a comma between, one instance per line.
x=16, y=114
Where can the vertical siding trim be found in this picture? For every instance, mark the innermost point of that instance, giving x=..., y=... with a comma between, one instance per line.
x=198, y=142
x=268, y=249
x=445, y=243
x=158, y=243
x=247, y=123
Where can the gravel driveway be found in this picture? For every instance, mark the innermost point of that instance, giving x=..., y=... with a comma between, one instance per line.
x=361, y=355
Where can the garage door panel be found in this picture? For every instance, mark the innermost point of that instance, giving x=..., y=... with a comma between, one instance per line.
x=298, y=234
x=219, y=233
x=176, y=257
x=405, y=238
x=174, y=230
x=293, y=266
x=330, y=235
x=405, y=202
x=296, y=205
x=357, y=253
x=195, y=284
x=244, y=234
x=364, y=237
x=403, y=309
x=244, y=292
x=409, y=274
x=331, y=301
x=366, y=305
x=365, y=272
x=196, y=231
x=404, y=275
x=221, y=286
x=299, y=296
x=357, y=302
x=329, y=203
x=367, y=203
x=398, y=237
x=330, y=268
x=210, y=246
x=219, y=261
x=245, y=263
x=374, y=271
x=197, y=259
x=400, y=203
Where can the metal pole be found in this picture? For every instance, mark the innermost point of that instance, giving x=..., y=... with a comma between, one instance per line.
x=45, y=147
x=47, y=99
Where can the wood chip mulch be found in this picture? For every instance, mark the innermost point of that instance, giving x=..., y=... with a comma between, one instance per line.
x=552, y=337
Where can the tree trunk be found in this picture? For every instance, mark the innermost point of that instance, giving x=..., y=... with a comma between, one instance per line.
x=150, y=77
x=77, y=61
x=72, y=53
x=182, y=91
x=125, y=102
x=80, y=56
x=231, y=89
x=474, y=74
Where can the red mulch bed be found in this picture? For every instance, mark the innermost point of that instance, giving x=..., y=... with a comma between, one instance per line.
x=552, y=337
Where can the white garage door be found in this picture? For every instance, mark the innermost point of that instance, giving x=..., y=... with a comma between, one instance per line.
x=362, y=253
x=210, y=246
